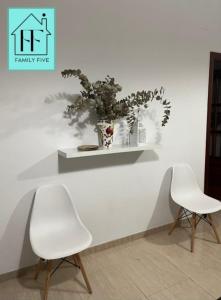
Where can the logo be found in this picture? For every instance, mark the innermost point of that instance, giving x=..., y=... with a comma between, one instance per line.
x=31, y=37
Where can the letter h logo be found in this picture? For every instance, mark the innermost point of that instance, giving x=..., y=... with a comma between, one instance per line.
x=31, y=36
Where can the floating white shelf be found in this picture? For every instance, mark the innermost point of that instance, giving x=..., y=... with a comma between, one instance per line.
x=74, y=153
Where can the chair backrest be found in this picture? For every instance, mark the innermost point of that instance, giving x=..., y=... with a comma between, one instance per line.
x=184, y=182
x=53, y=209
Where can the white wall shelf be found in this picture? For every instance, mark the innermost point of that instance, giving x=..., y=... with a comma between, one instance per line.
x=74, y=153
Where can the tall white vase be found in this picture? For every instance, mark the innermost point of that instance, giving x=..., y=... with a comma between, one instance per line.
x=138, y=135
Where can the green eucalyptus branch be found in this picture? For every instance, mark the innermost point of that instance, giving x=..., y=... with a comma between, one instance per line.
x=101, y=96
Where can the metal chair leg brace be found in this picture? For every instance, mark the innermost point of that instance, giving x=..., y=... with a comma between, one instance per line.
x=184, y=214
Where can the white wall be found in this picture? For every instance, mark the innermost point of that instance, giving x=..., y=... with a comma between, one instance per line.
x=144, y=44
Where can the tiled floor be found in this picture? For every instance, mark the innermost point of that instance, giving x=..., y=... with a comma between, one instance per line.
x=157, y=267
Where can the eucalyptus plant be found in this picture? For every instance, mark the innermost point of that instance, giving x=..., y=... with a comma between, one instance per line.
x=101, y=96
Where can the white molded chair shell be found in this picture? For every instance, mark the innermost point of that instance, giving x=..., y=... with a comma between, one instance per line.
x=56, y=230
x=186, y=193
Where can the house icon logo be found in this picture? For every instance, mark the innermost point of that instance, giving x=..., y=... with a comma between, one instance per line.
x=31, y=36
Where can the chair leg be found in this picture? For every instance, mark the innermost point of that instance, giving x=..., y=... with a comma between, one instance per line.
x=38, y=268
x=79, y=263
x=49, y=267
x=193, y=231
x=75, y=261
x=214, y=228
x=176, y=220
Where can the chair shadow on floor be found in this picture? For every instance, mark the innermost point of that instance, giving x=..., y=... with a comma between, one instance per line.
x=65, y=279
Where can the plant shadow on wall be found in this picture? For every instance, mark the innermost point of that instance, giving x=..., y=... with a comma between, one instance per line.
x=79, y=119
x=100, y=97
x=97, y=105
x=97, y=102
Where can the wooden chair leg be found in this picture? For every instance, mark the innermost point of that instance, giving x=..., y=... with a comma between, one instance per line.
x=193, y=231
x=49, y=267
x=38, y=268
x=79, y=263
x=176, y=221
x=75, y=261
x=214, y=228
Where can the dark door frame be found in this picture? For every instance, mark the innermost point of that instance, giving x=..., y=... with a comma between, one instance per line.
x=213, y=57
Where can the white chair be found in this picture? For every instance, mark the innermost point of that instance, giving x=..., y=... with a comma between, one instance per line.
x=56, y=231
x=192, y=201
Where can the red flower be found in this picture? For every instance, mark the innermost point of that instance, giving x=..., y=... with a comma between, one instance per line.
x=109, y=130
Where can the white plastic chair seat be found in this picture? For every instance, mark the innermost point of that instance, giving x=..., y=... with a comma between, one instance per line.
x=186, y=192
x=56, y=230
x=199, y=203
x=61, y=243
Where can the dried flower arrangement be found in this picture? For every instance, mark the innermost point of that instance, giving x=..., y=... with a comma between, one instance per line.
x=102, y=97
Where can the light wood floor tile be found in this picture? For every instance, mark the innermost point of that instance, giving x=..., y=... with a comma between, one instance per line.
x=186, y=290
x=156, y=267
x=203, y=266
x=146, y=269
x=110, y=276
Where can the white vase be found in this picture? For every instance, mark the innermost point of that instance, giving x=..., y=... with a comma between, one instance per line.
x=138, y=135
x=105, y=133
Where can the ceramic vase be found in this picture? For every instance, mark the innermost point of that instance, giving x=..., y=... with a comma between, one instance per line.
x=105, y=133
